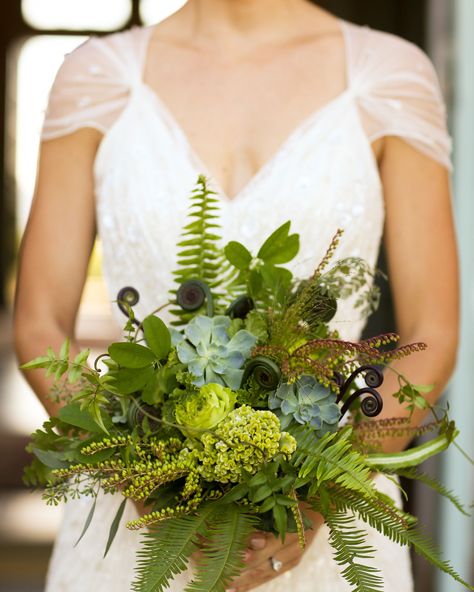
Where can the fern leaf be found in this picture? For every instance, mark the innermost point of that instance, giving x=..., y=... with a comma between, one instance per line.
x=378, y=511
x=222, y=557
x=166, y=550
x=332, y=458
x=381, y=513
x=349, y=545
x=436, y=485
x=199, y=256
x=426, y=548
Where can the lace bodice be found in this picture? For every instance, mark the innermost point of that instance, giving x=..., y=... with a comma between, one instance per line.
x=323, y=177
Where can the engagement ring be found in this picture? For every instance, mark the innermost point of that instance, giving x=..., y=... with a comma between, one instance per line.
x=276, y=564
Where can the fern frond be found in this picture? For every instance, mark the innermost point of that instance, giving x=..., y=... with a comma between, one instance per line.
x=378, y=511
x=331, y=458
x=436, y=485
x=165, y=550
x=426, y=548
x=381, y=513
x=349, y=545
x=199, y=257
x=222, y=556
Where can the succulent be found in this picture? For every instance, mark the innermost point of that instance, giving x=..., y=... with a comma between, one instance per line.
x=306, y=401
x=210, y=354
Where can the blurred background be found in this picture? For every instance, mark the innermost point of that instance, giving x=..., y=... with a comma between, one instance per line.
x=34, y=36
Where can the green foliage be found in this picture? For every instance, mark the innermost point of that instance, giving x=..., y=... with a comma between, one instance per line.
x=50, y=458
x=238, y=255
x=270, y=491
x=222, y=555
x=330, y=459
x=199, y=256
x=261, y=276
x=353, y=276
x=58, y=365
x=414, y=456
x=434, y=484
x=131, y=355
x=257, y=324
x=88, y=521
x=74, y=415
x=114, y=526
x=157, y=336
x=411, y=395
x=226, y=529
x=280, y=247
x=165, y=551
x=349, y=545
x=381, y=513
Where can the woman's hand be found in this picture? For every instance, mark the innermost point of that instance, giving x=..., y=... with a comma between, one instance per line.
x=263, y=547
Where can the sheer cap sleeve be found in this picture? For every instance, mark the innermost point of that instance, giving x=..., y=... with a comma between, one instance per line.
x=398, y=92
x=93, y=84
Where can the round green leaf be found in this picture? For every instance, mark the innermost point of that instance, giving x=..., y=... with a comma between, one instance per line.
x=157, y=336
x=131, y=355
x=50, y=458
x=129, y=380
x=238, y=255
x=73, y=415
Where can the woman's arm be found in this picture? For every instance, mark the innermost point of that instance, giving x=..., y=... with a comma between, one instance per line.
x=55, y=251
x=423, y=270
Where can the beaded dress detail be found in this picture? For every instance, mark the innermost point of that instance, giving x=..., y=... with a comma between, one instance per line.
x=323, y=177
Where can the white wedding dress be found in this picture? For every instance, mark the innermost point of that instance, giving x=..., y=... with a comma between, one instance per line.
x=323, y=177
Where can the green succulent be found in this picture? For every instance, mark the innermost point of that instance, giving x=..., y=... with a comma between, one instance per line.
x=210, y=354
x=204, y=409
x=306, y=401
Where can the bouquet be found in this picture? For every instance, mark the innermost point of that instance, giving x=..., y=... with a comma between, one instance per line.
x=248, y=408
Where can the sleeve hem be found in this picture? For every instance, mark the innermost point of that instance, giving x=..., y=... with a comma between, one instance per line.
x=66, y=131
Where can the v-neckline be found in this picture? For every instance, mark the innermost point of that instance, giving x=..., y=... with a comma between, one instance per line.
x=197, y=162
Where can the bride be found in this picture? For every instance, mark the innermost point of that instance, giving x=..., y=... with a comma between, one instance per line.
x=293, y=114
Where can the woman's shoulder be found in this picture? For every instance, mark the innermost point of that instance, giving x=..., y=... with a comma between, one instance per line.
x=111, y=54
x=93, y=84
x=380, y=56
x=397, y=91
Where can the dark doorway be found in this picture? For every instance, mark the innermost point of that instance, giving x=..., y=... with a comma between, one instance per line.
x=402, y=17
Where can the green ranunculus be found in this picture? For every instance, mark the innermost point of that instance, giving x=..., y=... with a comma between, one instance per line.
x=204, y=409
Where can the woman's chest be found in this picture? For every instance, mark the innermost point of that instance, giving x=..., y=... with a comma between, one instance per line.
x=323, y=178
x=237, y=115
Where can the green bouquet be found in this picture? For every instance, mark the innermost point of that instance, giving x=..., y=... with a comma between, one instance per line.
x=229, y=419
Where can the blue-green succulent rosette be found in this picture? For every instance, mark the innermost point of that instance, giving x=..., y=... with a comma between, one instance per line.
x=306, y=402
x=210, y=354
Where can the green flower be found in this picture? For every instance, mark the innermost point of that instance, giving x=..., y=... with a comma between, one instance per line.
x=244, y=440
x=204, y=409
x=307, y=402
x=210, y=354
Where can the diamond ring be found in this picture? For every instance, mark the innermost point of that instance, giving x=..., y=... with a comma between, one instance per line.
x=276, y=564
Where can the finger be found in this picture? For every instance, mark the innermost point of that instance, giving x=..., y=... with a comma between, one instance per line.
x=258, y=541
x=286, y=555
x=273, y=546
x=261, y=575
